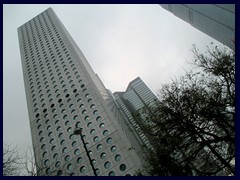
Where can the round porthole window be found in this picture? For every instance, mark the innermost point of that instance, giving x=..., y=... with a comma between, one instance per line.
x=86, y=118
x=77, y=152
x=113, y=149
x=98, y=118
x=95, y=112
x=64, y=150
x=112, y=173
x=99, y=147
x=109, y=140
x=46, y=162
x=105, y=133
x=107, y=165
x=67, y=158
x=103, y=155
x=75, y=118
x=57, y=164
x=96, y=139
x=62, y=142
x=82, y=169
x=122, y=167
x=74, y=144
x=89, y=124
x=102, y=125
x=118, y=157
x=79, y=160
x=93, y=131
x=97, y=171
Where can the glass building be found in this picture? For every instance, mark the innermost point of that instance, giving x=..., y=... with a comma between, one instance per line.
x=136, y=97
x=74, y=132
x=215, y=20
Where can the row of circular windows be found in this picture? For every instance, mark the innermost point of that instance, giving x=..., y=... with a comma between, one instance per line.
x=73, y=111
x=66, y=117
x=57, y=122
x=41, y=22
x=69, y=101
x=61, y=82
x=91, y=132
x=79, y=160
x=48, y=91
x=53, y=76
x=54, y=82
x=55, y=90
x=69, y=129
x=99, y=147
x=67, y=96
x=89, y=124
x=39, y=38
x=107, y=164
x=76, y=152
x=55, y=64
x=70, y=106
x=34, y=22
x=36, y=46
x=44, y=53
x=72, y=137
x=65, y=90
x=64, y=66
x=46, y=39
x=102, y=155
x=57, y=52
x=42, y=27
x=83, y=169
x=46, y=42
x=77, y=95
x=33, y=37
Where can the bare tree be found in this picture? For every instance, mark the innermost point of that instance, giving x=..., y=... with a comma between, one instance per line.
x=25, y=165
x=40, y=168
x=12, y=161
x=193, y=125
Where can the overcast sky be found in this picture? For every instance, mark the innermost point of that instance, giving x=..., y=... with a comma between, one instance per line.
x=121, y=42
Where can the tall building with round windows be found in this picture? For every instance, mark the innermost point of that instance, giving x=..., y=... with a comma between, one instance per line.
x=73, y=130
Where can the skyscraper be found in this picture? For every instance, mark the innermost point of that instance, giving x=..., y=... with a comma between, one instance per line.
x=73, y=131
x=215, y=20
x=137, y=96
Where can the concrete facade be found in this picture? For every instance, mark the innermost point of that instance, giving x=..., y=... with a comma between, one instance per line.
x=63, y=92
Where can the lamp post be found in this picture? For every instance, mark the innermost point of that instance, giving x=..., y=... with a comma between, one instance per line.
x=78, y=131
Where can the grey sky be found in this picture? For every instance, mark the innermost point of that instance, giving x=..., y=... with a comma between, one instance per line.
x=121, y=42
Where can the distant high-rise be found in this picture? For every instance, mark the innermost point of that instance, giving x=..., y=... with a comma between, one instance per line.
x=215, y=20
x=137, y=96
x=73, y=130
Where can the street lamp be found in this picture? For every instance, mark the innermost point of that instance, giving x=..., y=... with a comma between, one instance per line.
x=78, y=131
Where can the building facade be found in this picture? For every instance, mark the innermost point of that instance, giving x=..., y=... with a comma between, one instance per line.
x=73, y=130
x=136, y=97
x=215, y=20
